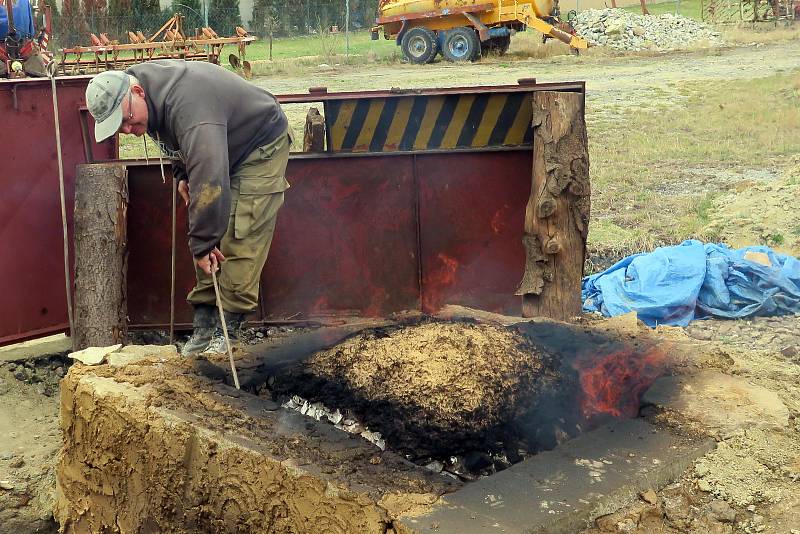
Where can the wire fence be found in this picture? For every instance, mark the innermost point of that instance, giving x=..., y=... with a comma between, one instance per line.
x=77, y=19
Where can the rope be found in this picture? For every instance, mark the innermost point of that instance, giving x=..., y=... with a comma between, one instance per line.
x=172, y=264
x=67, y=280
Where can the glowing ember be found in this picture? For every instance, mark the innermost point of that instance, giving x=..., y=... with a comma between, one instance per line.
x=614, y=383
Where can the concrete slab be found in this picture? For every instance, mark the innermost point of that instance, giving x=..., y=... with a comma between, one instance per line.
x=566, y=489
x=722, y=403
x=36, y=348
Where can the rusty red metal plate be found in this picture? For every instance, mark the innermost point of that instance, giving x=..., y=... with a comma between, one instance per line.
x=471, y=219
x=359, y=234
x=346, y=240
x=345, y=243
x=150, y=249
x=32, y=270
x=366, y=235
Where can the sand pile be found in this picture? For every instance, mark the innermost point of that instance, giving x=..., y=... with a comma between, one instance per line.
x=429, y=385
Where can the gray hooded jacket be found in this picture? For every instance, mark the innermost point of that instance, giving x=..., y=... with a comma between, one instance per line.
x=211, y=120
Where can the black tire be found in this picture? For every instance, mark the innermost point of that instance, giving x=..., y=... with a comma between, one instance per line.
x=461, y=44
x=419, y=45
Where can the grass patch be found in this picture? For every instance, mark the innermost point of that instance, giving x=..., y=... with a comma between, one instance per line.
x=321, y=45
x=765, y=33
x=132, y=147
x=639, y=160
x=685, y=8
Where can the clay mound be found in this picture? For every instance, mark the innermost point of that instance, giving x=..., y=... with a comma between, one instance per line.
x=432, y=386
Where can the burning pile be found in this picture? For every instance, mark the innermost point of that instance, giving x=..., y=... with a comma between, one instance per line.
x=471, y=399
x=432, y=385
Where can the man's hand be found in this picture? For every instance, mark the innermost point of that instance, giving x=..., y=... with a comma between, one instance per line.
x=183, y=190
x=210, y=261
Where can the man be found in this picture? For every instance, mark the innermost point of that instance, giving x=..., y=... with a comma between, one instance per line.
x=231, y=144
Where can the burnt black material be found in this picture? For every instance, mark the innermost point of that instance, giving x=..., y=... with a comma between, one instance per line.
x=408, y=428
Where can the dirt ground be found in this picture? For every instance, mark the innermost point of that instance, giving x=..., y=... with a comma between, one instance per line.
x=750, y=483
x=612, y=82
x=141, y=413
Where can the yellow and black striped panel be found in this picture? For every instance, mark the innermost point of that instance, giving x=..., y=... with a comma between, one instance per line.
x=421, y=122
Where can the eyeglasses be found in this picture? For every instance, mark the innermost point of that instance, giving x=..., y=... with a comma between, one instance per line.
x=130, y=108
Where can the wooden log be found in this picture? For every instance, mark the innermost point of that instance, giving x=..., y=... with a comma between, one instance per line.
x=314, y=135
x=557, y=214
x=101, y=254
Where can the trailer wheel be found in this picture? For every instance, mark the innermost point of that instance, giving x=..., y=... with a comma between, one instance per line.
x=461, y=44
x=419, y=45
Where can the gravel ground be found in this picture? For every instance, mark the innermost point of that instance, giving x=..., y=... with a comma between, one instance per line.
x=626, y=31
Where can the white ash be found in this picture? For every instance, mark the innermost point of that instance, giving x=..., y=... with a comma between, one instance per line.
x=622, y=30
x=319, y=411
x=454, y=466
x=436, y=466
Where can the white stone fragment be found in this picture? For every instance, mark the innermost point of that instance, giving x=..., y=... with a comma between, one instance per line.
x=94, y=355
x=335, y=417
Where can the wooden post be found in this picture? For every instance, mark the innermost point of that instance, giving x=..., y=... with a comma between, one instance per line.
x=101, y=254
x=557, y=215
x=314, y=135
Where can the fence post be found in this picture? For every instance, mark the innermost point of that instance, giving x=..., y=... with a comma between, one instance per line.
x=347, y=31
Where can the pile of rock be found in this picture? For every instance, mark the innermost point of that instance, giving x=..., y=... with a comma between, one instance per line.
x=623, y=30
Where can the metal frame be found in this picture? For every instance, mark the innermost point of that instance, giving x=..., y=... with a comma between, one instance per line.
x=431, y=213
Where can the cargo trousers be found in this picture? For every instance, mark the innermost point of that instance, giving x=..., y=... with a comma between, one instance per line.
x=257, y=189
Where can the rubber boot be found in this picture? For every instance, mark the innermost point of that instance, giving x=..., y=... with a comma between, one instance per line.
x=205, y=323
x=233, y=321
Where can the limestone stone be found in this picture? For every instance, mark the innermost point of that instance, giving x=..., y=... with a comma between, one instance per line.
x=135, y=353
x=625, y=31
x=94, y=355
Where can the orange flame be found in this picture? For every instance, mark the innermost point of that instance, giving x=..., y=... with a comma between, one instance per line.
x=614, y=383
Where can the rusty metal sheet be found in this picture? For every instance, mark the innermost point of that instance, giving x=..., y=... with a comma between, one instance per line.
x=149, y=249
x=345, y=243
x=471, y=218
x=368, y=234
x=34, y=300
x=346, y=239
x=360, y=235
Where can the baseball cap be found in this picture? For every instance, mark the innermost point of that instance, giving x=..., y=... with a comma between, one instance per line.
x=104, y=96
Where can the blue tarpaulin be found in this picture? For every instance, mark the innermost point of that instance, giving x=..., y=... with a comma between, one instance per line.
x=674, y=285
x=23, y=18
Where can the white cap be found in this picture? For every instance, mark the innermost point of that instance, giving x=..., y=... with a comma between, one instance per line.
x=104, y=96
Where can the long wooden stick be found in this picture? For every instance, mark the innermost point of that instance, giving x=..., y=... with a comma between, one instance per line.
x=224, y=327
x=67, y=278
